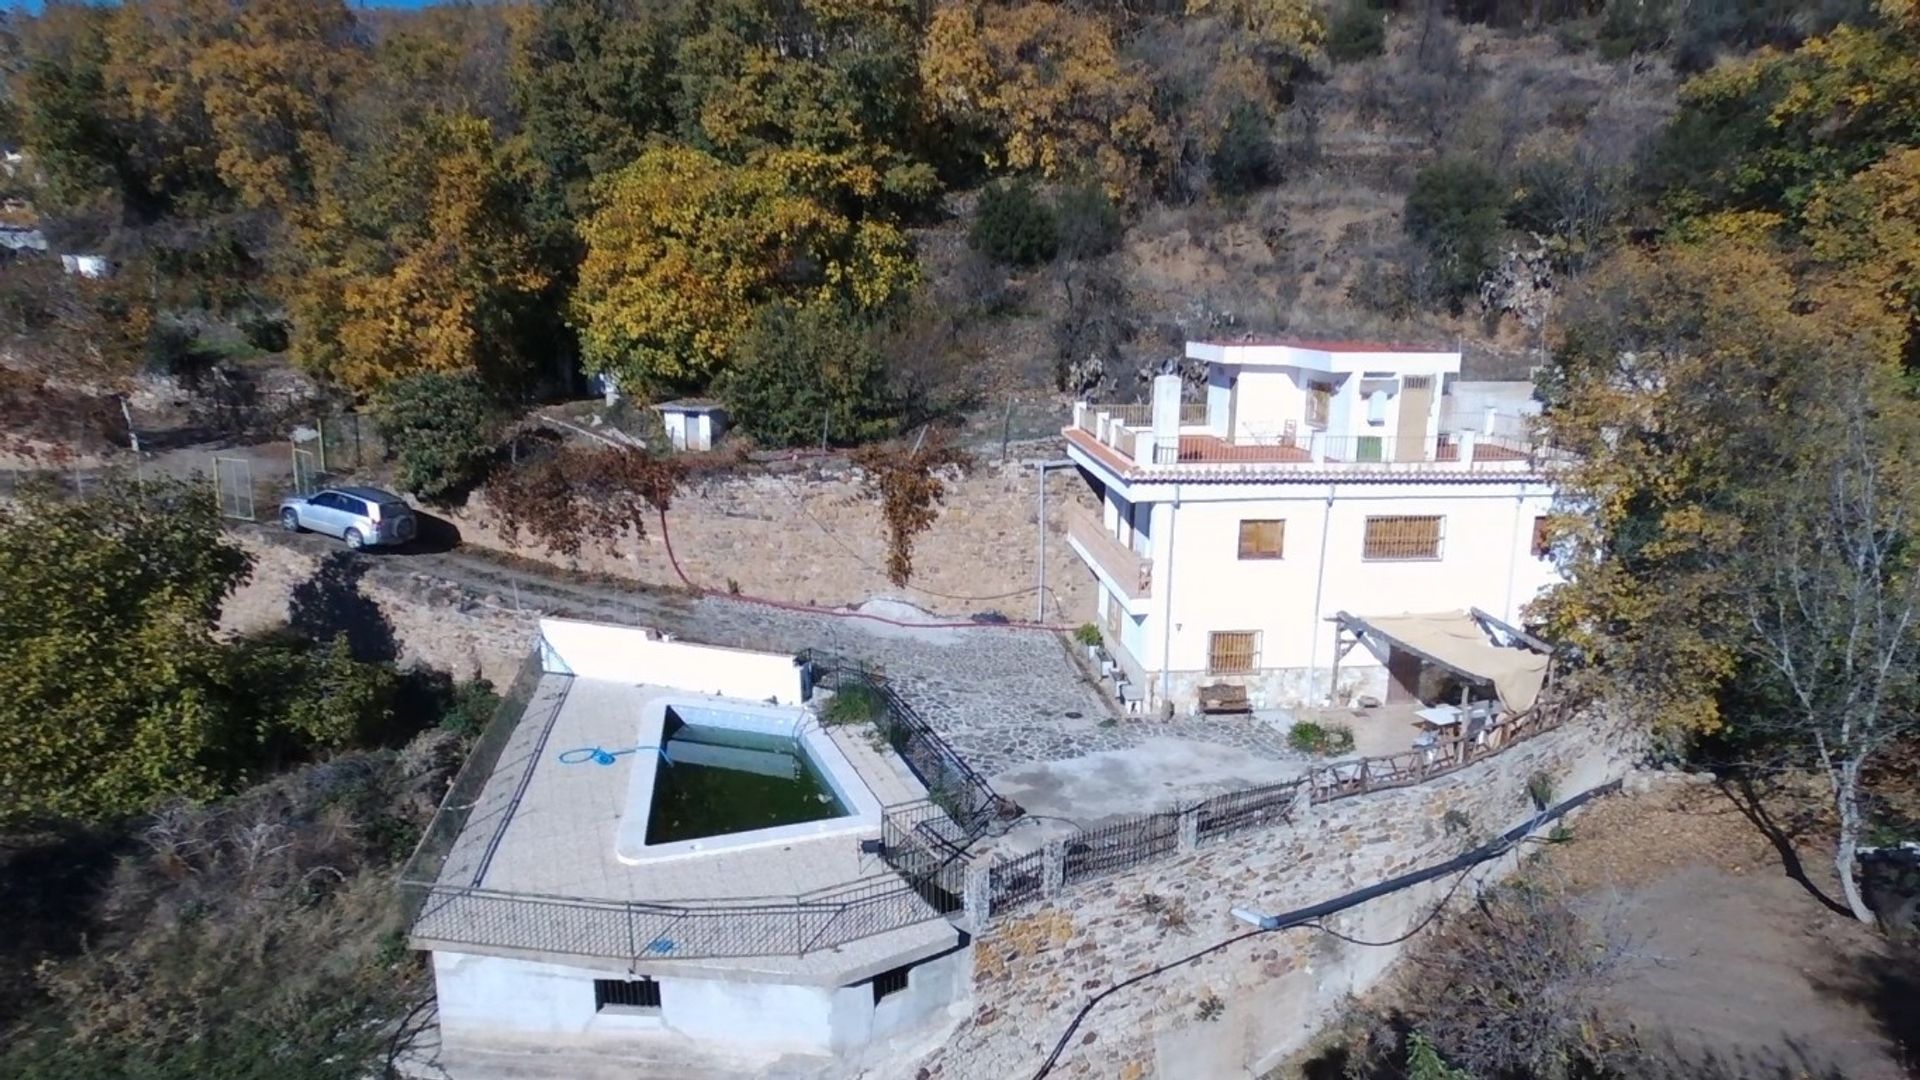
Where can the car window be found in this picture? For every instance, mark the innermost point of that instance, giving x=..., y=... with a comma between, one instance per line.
x=326, y=500
x=352, y=505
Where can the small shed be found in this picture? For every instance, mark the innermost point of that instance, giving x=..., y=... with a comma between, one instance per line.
x=693, y=423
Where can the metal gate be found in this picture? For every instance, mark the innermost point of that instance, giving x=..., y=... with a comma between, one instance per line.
x=341, y=449
x=306, y=472
x=233, y=484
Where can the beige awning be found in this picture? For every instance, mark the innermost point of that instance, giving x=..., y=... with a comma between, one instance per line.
x=1456, y=640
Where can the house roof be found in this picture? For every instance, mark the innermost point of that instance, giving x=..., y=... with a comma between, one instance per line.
x=690, y=405
x=1339, y=346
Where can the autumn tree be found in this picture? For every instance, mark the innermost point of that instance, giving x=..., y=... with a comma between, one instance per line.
x=837, y=78
x=1765, y=131
x=592, y=79
x=683, y=248
x=1869, y=226
x=1829, y=592
x=1051, y=85
x=418, y=260
x=1678, y=381
x=1292, y=29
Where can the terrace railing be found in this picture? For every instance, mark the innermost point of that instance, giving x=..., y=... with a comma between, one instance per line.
x=1091, y=854
x=633, y=931
x=952, y=784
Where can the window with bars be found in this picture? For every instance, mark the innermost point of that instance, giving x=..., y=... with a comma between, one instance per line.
x=1402, y=537
x=625, y=994
x=1233, y=652
x=1319, y=403
x=888, y=983
x=1542, y=537
x=1262, y=539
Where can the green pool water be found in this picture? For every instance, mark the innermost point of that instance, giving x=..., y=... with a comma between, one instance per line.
x=717, y=780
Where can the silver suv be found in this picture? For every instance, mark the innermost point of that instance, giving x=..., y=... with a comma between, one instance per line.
x=363, y=517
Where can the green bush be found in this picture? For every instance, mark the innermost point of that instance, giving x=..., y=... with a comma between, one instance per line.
x=1357, y=32
x=1309, y=737
x=1012, y=225
x=854, y=703
x=1087, y=223
x=1087, y=634
x=441, y=428
x=803, y=373
x=1246, y=159
x=1455, y=212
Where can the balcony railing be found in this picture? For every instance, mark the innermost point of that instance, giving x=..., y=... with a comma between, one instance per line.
x=1503, y=443
x=1132, y=572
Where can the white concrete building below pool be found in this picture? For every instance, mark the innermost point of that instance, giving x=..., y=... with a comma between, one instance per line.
x=561, y=921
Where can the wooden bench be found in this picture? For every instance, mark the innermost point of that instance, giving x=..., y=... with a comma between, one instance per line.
x=1221, y=698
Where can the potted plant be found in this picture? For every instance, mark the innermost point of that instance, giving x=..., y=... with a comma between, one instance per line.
x=1089, y=635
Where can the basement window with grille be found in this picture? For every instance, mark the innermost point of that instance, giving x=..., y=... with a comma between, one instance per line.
x=888, y=983
x=626, y=995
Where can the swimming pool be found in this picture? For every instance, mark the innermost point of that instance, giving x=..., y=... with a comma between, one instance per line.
x=727, y=774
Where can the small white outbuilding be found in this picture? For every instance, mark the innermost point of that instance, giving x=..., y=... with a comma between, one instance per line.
x=693, y=423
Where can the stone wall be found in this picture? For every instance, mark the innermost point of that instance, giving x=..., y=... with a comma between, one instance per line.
x=436, y=625
x=1036, y=966
x=805, y=534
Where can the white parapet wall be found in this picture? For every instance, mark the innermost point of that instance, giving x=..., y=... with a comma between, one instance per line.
x=591, y=650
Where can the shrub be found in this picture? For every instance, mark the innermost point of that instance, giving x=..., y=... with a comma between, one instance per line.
x=1013, y=226
x=1455, y=212
x=1087, y=634
x=801, y=374
x=1246, y=159
x=472, y=705
x=1541, y=786
x=441, y=428
x=1357, y=32
x=854, y=703
x=1309, y=737
x=1087, y=223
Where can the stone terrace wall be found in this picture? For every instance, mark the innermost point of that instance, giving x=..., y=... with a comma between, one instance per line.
x=806, y=535
x=440, y=627
x=1034, y=968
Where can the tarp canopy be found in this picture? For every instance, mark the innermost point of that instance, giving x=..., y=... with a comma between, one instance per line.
x=1458, y=641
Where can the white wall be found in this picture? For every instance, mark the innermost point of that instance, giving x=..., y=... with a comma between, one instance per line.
x=502, y=1001
x=1484, y=562
x=497, y=999
x=629, y=654
x=1268, y=399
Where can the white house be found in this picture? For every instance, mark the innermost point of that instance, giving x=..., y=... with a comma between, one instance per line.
x=1317, y=478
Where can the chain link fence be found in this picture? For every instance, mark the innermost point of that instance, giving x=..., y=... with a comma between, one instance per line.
x=233, y=486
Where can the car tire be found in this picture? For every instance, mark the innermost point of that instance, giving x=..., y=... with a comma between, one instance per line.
x=290, y=520
x=354, y=539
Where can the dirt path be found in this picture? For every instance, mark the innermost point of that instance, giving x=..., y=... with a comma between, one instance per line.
x=1743, y=970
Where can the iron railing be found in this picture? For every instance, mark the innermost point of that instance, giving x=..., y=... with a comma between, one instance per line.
x=633, y=931
x=951, y=783
x=1109, y=849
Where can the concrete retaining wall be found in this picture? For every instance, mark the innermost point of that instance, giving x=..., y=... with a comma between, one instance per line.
x=1035, y=967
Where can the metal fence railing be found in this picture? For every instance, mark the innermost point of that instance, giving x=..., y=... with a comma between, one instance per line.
x=1110, y=849
x=1241, y=811
x=634, y=931
x=1089, y=854
x=423, y=867
x=952, y=784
